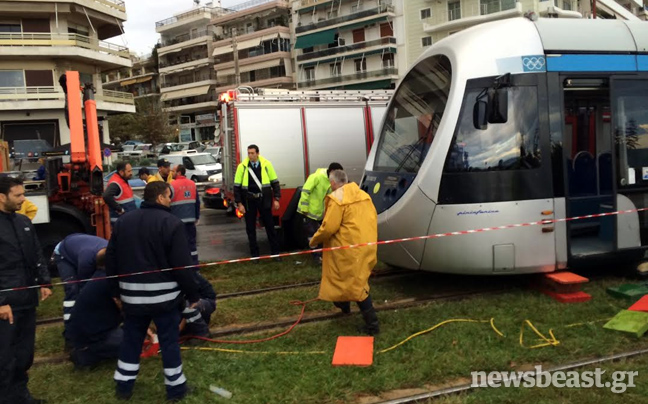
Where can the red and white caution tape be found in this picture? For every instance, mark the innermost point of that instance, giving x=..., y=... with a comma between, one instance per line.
x=295, y=253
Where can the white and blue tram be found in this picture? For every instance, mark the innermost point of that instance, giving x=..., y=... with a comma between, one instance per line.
x=510, y=122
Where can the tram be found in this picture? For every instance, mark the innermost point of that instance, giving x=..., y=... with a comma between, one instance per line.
x=517, y=121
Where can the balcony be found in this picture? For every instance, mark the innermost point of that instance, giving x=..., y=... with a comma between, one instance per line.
x=470, y=16
x=272, y=82
x=192, y=104
x=184, y=18
x=347, y=48
x=389, y=72
x=19, y=44
x=115, y=101
x=244, y=10
x=187, y=37
x=31, y=98
x=183, y=84
x=368, y=11
x=187, y=63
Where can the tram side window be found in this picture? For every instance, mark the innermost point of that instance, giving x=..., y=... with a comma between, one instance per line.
x=514, y=145
x=414, y=116
x=631, y=131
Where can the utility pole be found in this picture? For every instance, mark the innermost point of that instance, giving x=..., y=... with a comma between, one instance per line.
x=237, y=72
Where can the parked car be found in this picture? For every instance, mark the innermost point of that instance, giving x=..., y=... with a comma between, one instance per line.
x=215, y=151
x=200, y=166
x=166, y=148
x=140, y=150
x=193, y=145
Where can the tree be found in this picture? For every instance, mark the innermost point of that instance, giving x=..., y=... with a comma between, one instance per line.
x=122, y=127
x=152, y=121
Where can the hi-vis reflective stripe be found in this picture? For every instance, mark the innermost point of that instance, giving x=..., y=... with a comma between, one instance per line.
x=181, y=379
x=148, y=287
x=173, y=371
x=123, y=378
x=131, y=367
x=187, y=201
x=194, y=318
x=66, y=317
x=69, y=303
x=189, y=220
x=123, y=201
x=194, y=253
x=150, y=299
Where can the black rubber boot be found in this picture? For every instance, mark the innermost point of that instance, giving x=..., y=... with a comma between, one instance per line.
x=344, y=306
x=371, y=325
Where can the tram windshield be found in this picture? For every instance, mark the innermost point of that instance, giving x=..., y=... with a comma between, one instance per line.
x=414, y=116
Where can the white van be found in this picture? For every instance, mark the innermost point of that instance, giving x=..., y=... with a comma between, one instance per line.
x=200, y=167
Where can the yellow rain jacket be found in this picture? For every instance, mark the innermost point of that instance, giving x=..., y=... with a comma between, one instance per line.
x=28, y=209
x=350, y=218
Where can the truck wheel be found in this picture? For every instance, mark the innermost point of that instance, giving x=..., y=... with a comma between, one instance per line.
x=51, y=234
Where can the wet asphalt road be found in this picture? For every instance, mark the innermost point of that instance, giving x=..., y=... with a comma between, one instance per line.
x=222, y=237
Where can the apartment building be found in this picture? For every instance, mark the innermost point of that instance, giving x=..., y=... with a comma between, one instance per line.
x=187, y=78
x=141, y=80
x=349, y=44
x=253, y=46
x=39, y=41
x=430, y=21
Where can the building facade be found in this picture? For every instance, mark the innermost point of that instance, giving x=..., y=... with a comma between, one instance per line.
x=253, y=46
x=187, y=78
x=430, y=21
x=348, y=44
x=141, y=80
x=39, y=41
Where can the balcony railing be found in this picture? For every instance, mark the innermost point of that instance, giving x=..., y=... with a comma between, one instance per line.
x=190, y=100
x=490, y=7
x=30, y=93
x=191, y=80
x=118, y=97
x=183, y=59
x=250, y=4
x=186, y=37
x=116, y=4
x=251, y=29
x=454, y=14
x=183, y=16
x=368, y=12
x=65, y=39
x=347, y=48
x=350, y=77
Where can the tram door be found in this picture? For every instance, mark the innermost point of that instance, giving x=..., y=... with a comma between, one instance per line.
x=588, y=144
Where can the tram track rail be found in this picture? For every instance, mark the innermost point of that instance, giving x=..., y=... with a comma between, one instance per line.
x=467, y=387
x=261, y=291
x=266, y=326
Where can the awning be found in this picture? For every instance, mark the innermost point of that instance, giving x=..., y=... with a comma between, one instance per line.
x=363, y=23
x=169, y=52
x=190, y=92
x=250, y=43
x=318, y=38
x=284, y=35
x=128, y=82
x=249, y=68
x=223, y=50
x=144, y=79
x=269, y=37
x=355, y=55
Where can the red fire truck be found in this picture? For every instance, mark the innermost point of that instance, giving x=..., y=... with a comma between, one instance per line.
x=299, y=132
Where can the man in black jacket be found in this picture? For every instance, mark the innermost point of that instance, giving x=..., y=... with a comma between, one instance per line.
x=21, y=265
x=149, y=239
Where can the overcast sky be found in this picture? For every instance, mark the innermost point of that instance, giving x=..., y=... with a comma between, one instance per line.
x=142, y=15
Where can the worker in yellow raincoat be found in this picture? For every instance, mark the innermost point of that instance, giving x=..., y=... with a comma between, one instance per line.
x=28, y=209
x=350, y=218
